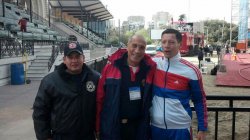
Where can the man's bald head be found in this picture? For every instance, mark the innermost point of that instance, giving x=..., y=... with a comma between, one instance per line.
x=139, y=37
x=136, y=50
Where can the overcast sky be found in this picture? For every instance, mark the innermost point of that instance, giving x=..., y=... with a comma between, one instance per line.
x=195, y=10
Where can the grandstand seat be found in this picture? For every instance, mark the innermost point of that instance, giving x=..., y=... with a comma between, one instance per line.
x=25, y=35
x=30, y=24
x=37, y=36
x=52, y=37
x=4, y=33
x=52, y=32
x=41, y=26
x=45, y=37
x=36, y=29
x=7, y=21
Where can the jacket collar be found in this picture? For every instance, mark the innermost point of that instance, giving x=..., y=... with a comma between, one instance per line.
x=67, y=76
x=175, y=58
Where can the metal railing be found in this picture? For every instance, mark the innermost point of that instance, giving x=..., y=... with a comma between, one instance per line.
x=98, y=63
x=231, y=108
x=54, y=53
x=10, y=47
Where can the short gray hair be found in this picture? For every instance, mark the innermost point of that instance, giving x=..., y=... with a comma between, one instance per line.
x=137, y=36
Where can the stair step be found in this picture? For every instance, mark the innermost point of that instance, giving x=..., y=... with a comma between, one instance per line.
x=42, y=52
x=42, y=58
x=44, y=46
x=34, y=78
x=43, y=49
x=31, y=71
x=39, y=64
x=41, y=61
x=36, y=75
x=38, y=67
x=44, y=55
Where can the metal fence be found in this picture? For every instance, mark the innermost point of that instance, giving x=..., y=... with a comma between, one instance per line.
x=232, y=108
x=98, y=63
x=10, y=47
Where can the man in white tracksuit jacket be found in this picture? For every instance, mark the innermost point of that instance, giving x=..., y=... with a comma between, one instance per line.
x=176, y=82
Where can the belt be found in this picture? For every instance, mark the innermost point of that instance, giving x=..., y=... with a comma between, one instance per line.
x=124, y=121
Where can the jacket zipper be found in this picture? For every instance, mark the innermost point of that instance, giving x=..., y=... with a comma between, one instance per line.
x=164, y=97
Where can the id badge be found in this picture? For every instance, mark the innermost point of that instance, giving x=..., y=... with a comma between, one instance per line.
x=134, y=93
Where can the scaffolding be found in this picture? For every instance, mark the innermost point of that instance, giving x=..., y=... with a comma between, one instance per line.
x=239, y=16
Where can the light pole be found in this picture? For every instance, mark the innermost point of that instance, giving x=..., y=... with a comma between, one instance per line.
x=119, y=33
x=222, y=32
x=206, y=33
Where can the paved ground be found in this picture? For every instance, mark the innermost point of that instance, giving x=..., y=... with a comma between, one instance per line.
x=15, y=111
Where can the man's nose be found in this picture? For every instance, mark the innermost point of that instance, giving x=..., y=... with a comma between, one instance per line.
x=137, y=50
x=74, y=59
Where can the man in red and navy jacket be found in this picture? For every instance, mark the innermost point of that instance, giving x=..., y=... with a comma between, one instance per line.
x=124, y=94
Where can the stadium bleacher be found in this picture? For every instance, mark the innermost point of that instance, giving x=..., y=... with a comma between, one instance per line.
x=85, y=32
x=36, y=30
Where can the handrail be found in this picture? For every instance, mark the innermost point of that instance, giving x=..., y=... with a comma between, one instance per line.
x=9, y=47
x=54, y=53
x=230, y=108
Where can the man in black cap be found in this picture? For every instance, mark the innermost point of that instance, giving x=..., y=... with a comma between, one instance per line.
x=64, y=108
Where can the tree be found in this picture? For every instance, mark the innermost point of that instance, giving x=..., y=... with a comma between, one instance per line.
x=182, y=17
x=219, y=31
x=145, y=34
x=113, y=37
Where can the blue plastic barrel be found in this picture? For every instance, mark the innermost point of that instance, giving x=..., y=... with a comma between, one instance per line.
x=17, y=74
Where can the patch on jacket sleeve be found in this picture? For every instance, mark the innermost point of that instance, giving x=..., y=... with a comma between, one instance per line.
x=90, y=86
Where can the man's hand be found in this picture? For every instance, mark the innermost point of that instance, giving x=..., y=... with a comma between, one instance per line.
x=201, y=135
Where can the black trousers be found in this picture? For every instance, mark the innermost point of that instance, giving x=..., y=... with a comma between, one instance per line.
x=129, y=130
x=72, y=137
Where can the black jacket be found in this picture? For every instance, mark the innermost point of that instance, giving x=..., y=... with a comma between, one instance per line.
x=66, y=107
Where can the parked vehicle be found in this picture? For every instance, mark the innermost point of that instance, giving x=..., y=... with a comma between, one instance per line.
x=151, y=50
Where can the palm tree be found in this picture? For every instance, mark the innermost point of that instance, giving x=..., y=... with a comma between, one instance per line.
x=181, y=18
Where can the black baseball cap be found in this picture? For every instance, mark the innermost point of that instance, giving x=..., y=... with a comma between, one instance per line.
x=72, y=47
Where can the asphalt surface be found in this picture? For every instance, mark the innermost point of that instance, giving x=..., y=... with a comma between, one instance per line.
x=15, y=111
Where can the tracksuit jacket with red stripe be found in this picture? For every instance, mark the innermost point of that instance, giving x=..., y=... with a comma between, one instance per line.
x=176, y=81
x=108, y=99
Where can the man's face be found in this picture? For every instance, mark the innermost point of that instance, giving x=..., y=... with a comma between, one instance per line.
x=170, y=45
x=74, y=62
x=136, y=50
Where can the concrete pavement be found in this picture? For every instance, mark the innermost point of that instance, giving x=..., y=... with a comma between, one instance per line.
x=15, y=111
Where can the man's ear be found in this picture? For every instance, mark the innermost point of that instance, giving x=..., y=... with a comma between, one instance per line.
x=180, y=44
x=64, y=59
